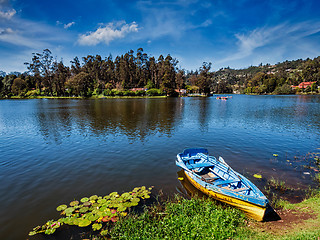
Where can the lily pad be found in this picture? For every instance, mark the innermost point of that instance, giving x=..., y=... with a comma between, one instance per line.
x=32, y=233
x=84, y=223
x=275, y=155
x=87, y=204
x=121, y=208
x=69, y=220
x=74, y=203
x=106, y=219
x=69, y=211
x=135, y=200
x=104, y=232
x=101, y=201
x=50, y=231
x=61, y=207
x=92, y=217
x=85, y=199
x=257, y=175
x=94, y=197
x=114, y=219
x=84, y=209
x=96, y=226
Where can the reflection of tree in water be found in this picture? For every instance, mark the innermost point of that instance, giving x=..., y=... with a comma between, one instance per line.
x=204, y=108
x=54, y=119
x=135, y=118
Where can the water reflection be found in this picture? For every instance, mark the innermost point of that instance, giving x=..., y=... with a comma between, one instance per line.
x=53, y=151
x=135, y=118
x=187, y=188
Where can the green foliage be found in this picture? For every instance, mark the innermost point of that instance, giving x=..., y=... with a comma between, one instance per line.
x=183, y=219
x=284, y=89
x=140, y=93
x=95, y=76
x=129, y=93
x=150, y=85
x=153, y=92
x=94, y=210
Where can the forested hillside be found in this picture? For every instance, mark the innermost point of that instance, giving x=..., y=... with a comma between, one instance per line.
x=138, y=74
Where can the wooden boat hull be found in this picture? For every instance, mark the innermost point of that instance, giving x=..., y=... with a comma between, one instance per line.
x=251, y=210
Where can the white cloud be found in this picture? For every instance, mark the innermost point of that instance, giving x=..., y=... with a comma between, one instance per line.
x=108, y=33
x=66, y=26
x=8, y=14
x=274, y=40
x=17, y=38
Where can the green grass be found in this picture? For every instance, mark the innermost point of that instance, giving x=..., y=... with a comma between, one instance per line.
x=305, y=230
x=204, y=219
x=183, y=219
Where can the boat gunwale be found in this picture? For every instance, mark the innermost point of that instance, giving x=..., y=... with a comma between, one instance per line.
x=259, y=199
x=229, y=193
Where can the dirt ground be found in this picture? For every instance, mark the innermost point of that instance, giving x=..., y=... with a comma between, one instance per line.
x=291, y=220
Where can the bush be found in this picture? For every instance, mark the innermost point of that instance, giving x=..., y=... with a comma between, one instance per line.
x=284, y=89
x=128, y=93
x=140, y=93
x=153, y=92
x=32, y=93
x=118, y=93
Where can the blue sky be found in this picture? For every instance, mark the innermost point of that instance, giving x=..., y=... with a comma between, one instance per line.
x=225, y=32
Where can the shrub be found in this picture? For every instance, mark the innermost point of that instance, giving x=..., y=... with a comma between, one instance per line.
x=140, y=93
x=154, y=92
x=284, y=89
x=128, y=93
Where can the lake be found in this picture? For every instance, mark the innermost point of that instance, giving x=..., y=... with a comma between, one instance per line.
x=56, y=150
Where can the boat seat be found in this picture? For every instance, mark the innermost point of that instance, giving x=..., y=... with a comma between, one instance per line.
x=240, y=189
x=222, y=182
x=210, y=179
x=200, y=165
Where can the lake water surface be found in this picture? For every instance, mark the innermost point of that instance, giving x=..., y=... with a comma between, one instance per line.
x=53, y=151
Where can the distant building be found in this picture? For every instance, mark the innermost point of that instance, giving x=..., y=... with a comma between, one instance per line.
x=181, y=91
x=138, y=89
x=303, y=85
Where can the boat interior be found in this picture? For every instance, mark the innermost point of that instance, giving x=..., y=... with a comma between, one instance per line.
x=219, y=175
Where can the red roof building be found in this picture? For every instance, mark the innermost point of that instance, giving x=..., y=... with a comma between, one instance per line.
x=138, y=89
x=303, y=85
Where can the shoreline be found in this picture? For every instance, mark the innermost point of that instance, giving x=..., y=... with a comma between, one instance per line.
x=141, y=97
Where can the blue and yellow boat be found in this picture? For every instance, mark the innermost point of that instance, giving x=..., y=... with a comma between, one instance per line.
x=217, y=179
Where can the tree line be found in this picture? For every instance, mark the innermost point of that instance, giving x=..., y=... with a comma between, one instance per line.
x=94, y=75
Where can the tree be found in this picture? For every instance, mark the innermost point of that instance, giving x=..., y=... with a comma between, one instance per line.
x=18, y=86
x=47, y=67
x=168, y=78
x=314, y=87
x=80, y=85
x=204, y=78
x=7, y=84
x=180, y=79
x=34, y=67
x=61, y=73
x=75, y=66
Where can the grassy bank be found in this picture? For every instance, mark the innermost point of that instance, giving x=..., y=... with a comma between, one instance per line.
x=197, y=218
x=92, y=97
x=204, y=219
x=183, y=219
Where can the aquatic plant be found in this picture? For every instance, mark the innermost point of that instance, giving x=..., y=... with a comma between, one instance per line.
x=257, y=175
x=95, y=210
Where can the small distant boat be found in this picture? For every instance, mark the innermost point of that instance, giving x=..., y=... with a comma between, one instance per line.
x=217, y=179
x=222, y=98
